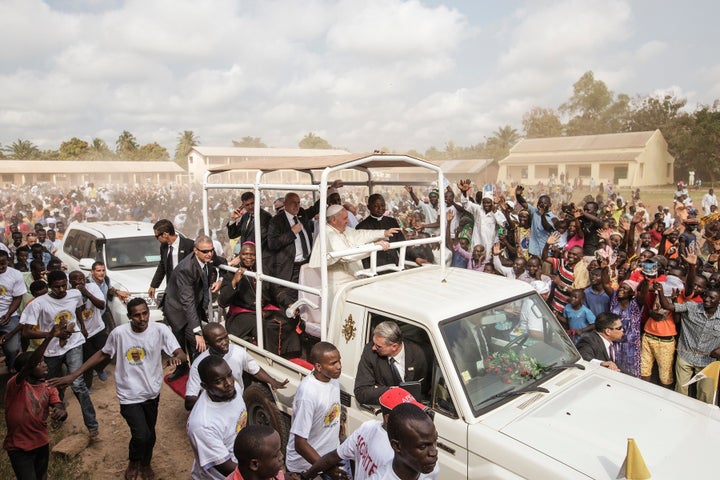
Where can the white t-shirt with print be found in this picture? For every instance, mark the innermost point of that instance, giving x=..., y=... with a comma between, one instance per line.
x=369, y=447
x=316, y=417
x=45, y=311
x=12, y=285
x=138, y=360
x=212, y=428
x=91, y=314
x=237, y=358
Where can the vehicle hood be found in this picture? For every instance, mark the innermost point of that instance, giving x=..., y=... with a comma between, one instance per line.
x=586, y=425
x=136, y=280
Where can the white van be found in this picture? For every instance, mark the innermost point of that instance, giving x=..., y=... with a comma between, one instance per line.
x=131, y=255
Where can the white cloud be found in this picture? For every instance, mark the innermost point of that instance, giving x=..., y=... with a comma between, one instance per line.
x=393, y=73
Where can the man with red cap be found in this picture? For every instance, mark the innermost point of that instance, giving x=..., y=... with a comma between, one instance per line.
x=369, y=446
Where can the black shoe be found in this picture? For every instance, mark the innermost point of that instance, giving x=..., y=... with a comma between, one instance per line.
x=180, y=370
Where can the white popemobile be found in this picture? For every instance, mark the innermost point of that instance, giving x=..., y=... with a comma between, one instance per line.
x=506, y=404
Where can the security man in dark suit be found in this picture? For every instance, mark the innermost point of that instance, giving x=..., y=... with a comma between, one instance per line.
x=389, y=361
x=242, y=226
x=597, y=346
x=290, y=238
x=173, y=248
x=188, y=296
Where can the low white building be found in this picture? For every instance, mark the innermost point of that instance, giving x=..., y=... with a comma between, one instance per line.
x=636, y=159
x=70, y=173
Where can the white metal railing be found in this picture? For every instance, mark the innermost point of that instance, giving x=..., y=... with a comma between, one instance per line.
x=320, y=187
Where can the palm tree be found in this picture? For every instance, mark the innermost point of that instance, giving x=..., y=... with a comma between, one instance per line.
x=126, y=144
x=501, y=141
x=23, y=150
x=186, y=141
x=99, y=149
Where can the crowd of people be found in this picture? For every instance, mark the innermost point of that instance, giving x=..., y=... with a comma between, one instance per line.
x=636, y=290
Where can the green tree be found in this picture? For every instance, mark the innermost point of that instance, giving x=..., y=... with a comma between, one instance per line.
x=698, y=143
x=593, y=108
x=99, y=150
x=502, y=140
x=653, y=112
x=23, y=150
x=542, y=123
x=313, y=141
x=126, y=145
x=251, y=142
x=433, y=153
x=152, y=152
x=74, y=149
x=50, y=155
x=186, y=141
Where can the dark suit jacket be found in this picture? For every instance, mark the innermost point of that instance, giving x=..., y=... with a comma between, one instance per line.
x=281, y=240
x=245, y=232
x=374, y=377
x=186, y=248
x=183, y=305
x=591, y=346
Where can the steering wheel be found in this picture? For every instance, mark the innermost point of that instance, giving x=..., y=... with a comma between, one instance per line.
x=517, y=341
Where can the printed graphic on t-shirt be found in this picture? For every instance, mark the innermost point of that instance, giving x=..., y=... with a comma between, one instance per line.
x=332, y=415
x=86, y=313
x=135, y=355
x=242, y=422
x=63, y=317
x=3, y=290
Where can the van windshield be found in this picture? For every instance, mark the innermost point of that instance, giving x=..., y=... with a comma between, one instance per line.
x=511, y=346
x=135, y=252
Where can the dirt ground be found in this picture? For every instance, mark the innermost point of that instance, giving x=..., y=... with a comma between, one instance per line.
x=107, y=458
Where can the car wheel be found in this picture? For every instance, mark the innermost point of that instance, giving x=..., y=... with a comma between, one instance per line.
x=262, y=410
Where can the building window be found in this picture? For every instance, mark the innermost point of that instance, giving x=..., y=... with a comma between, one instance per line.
x=552, y=171
x=8, y=177
x=584, y=171
x=668, y=170
x=524, y=172
x=642, y=170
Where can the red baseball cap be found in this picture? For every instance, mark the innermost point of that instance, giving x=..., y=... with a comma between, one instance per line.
x=395, y=396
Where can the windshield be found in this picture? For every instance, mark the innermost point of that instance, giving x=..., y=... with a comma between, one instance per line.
x=135, y=252
x=506, y=348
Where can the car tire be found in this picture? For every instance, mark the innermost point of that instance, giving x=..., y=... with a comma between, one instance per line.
x=262, y=410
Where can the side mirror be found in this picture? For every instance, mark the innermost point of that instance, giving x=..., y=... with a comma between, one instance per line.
x=86, y=264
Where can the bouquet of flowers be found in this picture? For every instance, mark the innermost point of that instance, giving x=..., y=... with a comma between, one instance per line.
x=514, y=368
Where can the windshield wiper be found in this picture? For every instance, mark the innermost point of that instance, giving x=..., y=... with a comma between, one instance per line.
x=563, y=366
x=511, y=393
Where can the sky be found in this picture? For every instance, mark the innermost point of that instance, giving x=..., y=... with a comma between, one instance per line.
x=362, y=74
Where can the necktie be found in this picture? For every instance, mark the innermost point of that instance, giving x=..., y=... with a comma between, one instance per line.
x=170, y=265
x=249, y=227
x=303, y=241
x=206, y=288
x=397, y=379
x=612, y=352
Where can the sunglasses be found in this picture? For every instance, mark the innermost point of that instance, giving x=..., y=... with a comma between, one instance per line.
x=616, y=328
x=205, y=251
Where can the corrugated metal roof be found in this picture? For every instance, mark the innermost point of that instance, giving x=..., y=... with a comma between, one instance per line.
x=76, y=166
x=242, y=152
x=271, y=163
x=612, y=141
x=569, y=158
